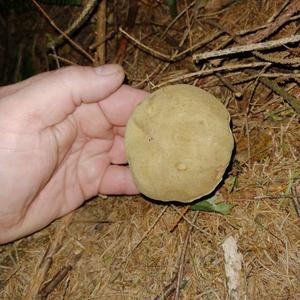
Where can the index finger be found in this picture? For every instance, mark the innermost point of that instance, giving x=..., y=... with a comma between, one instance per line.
x=119, y=106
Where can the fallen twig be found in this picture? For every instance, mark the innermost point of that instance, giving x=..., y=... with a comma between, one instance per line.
x=177, y=281
x=85, y=14
x=210, y=64
x=65, y=60
x=292, y=9
x=182, y=257
x=165, y=57
x=176, y=19
x=291, y=100
x=261, y=27
x=46, y=261
x=130, y=21
x=59, y=277
x=277, y=60
x=55, y=281
x=237, y=93
x=296, y=200
x=79, y=48
x=168, y=290
x=102, y=40
x=277, y=13
x=247, y=48
x=227, y=68
x=101, y=33
x=268, y=75
x=147, y=232
x=181, y=216
x=217, y=5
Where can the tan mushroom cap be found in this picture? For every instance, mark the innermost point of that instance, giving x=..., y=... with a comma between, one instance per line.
x=178, y=143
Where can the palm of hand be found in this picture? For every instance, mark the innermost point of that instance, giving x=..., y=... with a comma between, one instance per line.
x=62, y=153
x=84, y=146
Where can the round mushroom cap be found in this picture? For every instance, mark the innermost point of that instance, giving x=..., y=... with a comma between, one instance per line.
x=178, y=143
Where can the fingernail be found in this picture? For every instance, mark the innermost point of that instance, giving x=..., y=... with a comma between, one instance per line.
x=108, y=70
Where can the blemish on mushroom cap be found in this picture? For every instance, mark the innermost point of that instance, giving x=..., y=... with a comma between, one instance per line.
x=181, y=167
x=175, y=142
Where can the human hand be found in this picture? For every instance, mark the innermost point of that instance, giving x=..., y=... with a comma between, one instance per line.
x=61, y=142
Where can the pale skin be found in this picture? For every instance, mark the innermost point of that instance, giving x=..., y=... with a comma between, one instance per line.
x=61, y=143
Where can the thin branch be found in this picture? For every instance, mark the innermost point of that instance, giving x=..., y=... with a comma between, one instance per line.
x=182, y=257
x=55, y=281
x=247, y=48
x=130, y=21
x=292, y=9
x=176, y=19
x=182, y=216
x=165, y=57
x=46, y=262
x=296, y=199
x=292, y=62
x=197, y=46
x=79, y=48
x=144, y=47
x=267, y=75
x=65, y=60
x=168, y=290
x=176, y=282
x=255, y=29
x=147, y=232
x=50, y=285
x=101, y=33
x=277, y=13
x=210, y=64
x=228, y=68
x=148, y=77
x=291, y=100
x=102, y=40
x=85, y=14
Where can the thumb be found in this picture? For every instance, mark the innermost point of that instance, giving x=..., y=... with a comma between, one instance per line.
x=54, y=96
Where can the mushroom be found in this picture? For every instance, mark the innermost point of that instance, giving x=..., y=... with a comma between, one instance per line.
x=178, y=143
